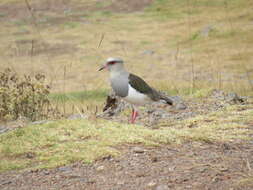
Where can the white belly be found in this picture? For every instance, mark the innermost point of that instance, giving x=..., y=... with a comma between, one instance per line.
x=136, y=98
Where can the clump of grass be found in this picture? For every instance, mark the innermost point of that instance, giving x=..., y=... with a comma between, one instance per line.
x=24, y=96
x=246, y=182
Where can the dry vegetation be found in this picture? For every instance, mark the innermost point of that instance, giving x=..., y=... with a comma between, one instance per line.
x=195, y=45
x=24, y=97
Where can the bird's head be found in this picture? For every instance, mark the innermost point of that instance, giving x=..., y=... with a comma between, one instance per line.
x=113, y=64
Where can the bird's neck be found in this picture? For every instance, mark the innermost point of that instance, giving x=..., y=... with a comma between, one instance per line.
x=115, y=74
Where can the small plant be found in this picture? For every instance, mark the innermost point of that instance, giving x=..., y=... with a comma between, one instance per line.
x=24, y=97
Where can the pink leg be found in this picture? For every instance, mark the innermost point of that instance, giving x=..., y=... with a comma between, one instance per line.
x=134, y=116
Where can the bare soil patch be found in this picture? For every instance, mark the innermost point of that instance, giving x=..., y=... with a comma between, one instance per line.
x=189, y=166
x=61, y=7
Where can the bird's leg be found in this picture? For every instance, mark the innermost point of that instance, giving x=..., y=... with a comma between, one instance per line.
x=134, y=116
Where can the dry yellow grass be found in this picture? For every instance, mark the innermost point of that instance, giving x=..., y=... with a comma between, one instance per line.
x=65, y=45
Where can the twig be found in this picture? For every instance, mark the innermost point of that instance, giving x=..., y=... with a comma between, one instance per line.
x=101, y=40
x=64, y=87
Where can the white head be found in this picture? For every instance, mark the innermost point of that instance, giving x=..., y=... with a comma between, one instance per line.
x=113, y=65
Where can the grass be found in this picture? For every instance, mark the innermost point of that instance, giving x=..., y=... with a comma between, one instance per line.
x=171, y=29
x=82, y=102
x=96, y=95
x=62, y=142
x=246, y=182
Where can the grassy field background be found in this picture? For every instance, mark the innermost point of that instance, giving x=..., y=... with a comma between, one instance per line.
x=188, y=45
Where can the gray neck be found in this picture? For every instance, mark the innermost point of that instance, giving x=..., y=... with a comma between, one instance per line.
x=119, y=82
x=114, y=74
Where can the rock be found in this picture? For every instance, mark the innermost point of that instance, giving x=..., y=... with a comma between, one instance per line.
x=151, y=184
x=138, y=150
x=178, y=102
x=176, y=99
x=46, y=172
x=230, y=98
x=148, y=52
x=30, y=155
x=3, y=129
x=72, y=176
x=180, y=106
x=40, y=122
x=65, y=169
x=162, y=187
x=120, y=183
x=77, y=116
x=100, y=168
x=234, y=98
x=217, y=94
x=5, y=182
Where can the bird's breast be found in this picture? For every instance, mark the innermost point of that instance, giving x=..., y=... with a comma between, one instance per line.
x=120, y=85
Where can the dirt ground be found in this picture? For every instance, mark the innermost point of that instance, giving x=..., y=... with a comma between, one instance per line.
x=189, y=166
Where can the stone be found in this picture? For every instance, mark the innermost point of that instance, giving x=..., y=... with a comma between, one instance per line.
x=120, y=183
x=46, y=172
x=180, y=106
x=3, y=129
x=5, y=182
x=162, y=187
x=77, y=116
x=234, y=98
x=138, y=150
x=148, y=52
x=100, y=168
x=65, y=169
x=151, y=184
x=40, y=122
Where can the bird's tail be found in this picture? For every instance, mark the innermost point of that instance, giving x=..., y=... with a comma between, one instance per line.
x=158, y=95
x=166, y=98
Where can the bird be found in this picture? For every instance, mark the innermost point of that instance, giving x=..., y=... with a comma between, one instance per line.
x=130, y=87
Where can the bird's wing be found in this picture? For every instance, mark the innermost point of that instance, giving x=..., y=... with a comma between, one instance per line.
x=141, y=86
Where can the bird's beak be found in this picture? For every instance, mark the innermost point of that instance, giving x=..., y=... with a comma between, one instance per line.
x=102, y=68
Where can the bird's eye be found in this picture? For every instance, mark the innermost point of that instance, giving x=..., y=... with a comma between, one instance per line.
x=112, y=62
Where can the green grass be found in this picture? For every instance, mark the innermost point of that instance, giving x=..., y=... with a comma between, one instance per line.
x=62, y=142
x=96, y=95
